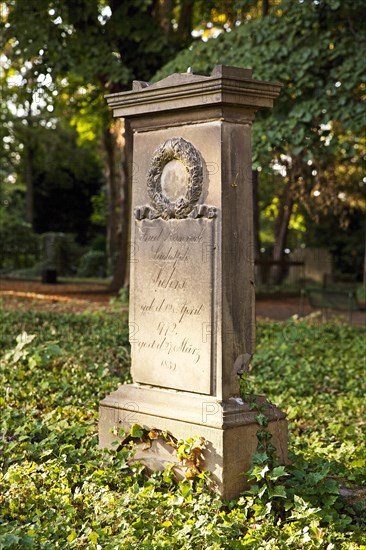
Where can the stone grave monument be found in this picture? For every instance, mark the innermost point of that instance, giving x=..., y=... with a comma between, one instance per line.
x=50, y=254
x=192, y=318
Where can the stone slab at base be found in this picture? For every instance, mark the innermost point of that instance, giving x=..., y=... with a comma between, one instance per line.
x=229, y=429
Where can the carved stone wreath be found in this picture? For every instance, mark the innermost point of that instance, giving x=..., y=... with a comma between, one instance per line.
x=185, y=205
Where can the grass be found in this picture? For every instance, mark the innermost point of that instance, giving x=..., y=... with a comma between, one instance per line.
x=59, y=490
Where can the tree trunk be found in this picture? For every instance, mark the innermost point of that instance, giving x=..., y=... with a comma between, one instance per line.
x=129, y=174
x=281, y=231
x=118, y=205
x=364, y=264
x=29, y=194
x=185, y=21
x=166, y=16
x=111, y=198
x=265, y=7
x=256, y=225
x=29, y=157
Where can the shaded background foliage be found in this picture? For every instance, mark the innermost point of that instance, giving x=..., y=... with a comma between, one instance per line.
x=60, y=57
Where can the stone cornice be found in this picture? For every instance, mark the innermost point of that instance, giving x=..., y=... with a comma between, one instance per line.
x=228, y=86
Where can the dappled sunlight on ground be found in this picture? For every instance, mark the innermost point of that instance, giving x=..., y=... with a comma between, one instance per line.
x=62, y=297
x=78, y=297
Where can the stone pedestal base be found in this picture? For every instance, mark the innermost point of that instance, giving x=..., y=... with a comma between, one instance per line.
x=229, y=429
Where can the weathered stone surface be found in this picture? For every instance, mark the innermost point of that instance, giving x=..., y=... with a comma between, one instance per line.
x=229, y=85
x=192, y=323
x=170, y=309
x=226, y=186
x=192, y=408
x=228, y=451
x=174, y=179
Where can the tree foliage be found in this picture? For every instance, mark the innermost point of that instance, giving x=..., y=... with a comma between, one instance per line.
x=60, y=58
x=72, y=53
x=315, y=50
x=314, y=137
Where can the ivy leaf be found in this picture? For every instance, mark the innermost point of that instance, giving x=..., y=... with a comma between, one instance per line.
x=261, y=419
x=278, y=491
x=277, y=472
x=185, y=489
x=72, y=536
x=260, y=458
x=259, y=473
x=93, y=537
x=177, y=500
x=166, y=523
x=136, y=431
x=24, y=339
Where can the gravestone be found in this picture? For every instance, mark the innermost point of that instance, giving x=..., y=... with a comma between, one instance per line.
x=50, y=252
x=318, y=262
x=192, y=318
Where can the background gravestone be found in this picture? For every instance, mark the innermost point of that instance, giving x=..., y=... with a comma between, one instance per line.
x=50, y=254
x=192, y=316
x=317, y=263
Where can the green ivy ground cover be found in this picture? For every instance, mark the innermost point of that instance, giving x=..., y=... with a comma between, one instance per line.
x=58, y=490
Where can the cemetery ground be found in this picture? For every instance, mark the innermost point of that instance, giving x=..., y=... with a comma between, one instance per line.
x=61, y=353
